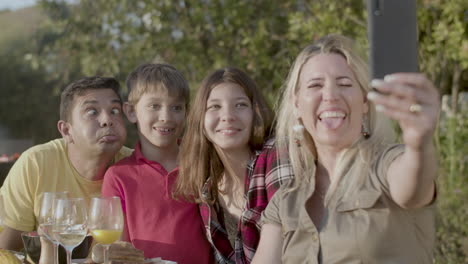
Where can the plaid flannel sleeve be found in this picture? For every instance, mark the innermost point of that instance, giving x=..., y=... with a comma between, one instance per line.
x=278, y=169
x=266, y=174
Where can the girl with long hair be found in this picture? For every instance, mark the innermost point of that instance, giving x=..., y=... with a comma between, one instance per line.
x=225, y=165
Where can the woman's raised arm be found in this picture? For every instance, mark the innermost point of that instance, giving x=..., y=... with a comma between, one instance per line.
x=413, y=101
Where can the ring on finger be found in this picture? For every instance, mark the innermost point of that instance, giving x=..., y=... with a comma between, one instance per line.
x=415, y=108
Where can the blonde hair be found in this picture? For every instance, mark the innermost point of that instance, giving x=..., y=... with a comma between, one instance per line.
x=359, y=155
x=156, y=77
x=199, y=159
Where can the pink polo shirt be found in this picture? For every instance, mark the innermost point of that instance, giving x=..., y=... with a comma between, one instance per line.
x=156, y=223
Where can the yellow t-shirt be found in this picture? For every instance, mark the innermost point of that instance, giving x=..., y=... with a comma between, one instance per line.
x=44, y=168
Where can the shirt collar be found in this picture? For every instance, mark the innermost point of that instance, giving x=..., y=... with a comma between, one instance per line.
x=140, y=158
x=138, y=154
x=253, y=160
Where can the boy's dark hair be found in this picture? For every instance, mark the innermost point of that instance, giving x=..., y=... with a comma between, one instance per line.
x=79, y=87
x=156, y=77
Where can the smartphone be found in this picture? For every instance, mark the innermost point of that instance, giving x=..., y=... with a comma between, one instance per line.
x=393, y=37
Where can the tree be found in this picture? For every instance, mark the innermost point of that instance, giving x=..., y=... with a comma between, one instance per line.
x=261, y=37
x=28, y=107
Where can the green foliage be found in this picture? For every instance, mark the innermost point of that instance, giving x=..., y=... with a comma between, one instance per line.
x=452, y=216
x=262, y=37
x=28, y=102
x=443, y=41
x=27, y=106
x=112, y=37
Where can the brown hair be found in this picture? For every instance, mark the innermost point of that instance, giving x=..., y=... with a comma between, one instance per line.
x=80, y=86
x=156, y=77
x=198, y=157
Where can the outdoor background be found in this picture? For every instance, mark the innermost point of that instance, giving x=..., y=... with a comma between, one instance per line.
x=44, y=47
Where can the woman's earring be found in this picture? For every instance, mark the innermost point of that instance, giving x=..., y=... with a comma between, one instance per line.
x=298, y=129
x=365, y=127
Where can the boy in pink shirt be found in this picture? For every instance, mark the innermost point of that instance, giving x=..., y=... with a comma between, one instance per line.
x=154, y=221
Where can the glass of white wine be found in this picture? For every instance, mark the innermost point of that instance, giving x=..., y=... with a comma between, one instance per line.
x=46, y=216
x=70, y=223
x=106, y=222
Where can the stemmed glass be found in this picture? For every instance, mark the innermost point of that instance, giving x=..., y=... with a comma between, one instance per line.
x=106, y=222
x=70, y=223
x=46, y=216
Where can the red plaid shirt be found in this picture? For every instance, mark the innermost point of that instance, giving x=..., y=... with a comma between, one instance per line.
x=265, y=174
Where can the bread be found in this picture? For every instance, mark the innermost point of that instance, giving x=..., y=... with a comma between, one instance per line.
x=6, y=257
x=119, y=253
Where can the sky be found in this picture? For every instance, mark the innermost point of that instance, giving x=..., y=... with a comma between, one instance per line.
x=15, y=4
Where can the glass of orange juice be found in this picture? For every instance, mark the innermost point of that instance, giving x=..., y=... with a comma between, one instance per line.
x=106, y=222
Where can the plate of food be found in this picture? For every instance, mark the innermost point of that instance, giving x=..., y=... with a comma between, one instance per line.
x=123, y=252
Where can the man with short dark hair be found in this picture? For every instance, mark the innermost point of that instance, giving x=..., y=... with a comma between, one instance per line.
x=93, y=134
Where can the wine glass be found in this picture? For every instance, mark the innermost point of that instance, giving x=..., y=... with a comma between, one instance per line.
x=70, y=223
x=106, y=222
x=46, y=215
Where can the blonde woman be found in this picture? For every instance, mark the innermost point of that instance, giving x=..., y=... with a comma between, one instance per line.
x=357, y=197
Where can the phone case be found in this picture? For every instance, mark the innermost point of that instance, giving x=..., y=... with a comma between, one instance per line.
x=392, y=33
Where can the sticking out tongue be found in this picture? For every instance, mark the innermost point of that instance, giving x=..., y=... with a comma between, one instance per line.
x=332, y=122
